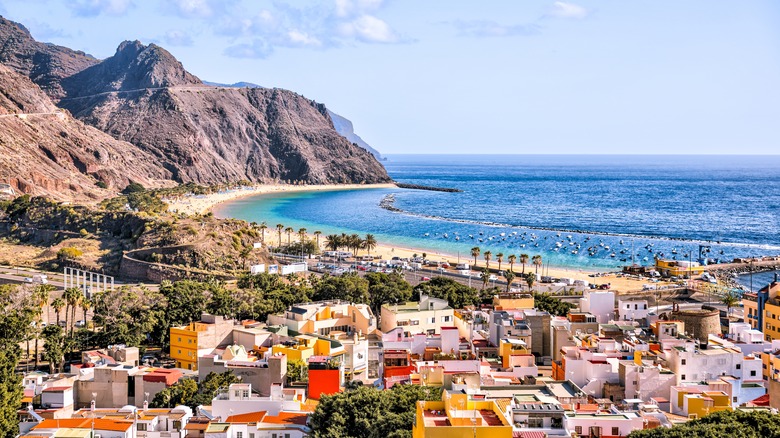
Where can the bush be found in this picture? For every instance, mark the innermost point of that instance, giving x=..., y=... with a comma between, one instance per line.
x=102, y=185
x=69, y=253
x=83, y=232
x=133, y=187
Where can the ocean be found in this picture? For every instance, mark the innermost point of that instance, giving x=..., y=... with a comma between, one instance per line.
x=581, y=211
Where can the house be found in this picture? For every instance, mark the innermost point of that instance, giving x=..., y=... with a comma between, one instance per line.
x=323, y=317
x=261, y=372
x=426, y=316
x=200, y=338
x=459, y=415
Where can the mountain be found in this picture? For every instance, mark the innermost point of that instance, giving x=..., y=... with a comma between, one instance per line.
x=44, y=64
x=45, y=151
x=207, y=135
x=344, y=127
x=236, y=85
x=341, y=124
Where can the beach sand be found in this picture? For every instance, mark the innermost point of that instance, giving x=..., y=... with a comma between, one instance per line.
x=204, y=203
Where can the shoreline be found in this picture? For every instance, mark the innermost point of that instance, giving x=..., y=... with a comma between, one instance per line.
x=202, y=204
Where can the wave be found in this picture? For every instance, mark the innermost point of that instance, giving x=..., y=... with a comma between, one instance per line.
x=388, y=203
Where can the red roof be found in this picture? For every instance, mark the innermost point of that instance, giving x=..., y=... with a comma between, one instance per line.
x=167, y=376
x=86, y=423
x=761, y=401
x=251, y=417
x=57, y=388
x=519, y=434
x=287, y=418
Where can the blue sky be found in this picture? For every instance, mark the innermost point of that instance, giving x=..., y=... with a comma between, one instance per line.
x=613, y=76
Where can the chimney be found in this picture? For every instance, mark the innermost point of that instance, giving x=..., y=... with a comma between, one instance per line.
x=146, y=404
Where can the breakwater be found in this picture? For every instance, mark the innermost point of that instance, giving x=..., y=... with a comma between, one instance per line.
x=429, y=188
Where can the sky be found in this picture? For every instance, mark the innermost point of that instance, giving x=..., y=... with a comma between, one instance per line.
x=511, y=77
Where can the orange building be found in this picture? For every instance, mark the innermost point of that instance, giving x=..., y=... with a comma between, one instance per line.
x=325, y=376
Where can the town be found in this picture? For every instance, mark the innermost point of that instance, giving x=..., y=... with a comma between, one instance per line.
x=250, y=359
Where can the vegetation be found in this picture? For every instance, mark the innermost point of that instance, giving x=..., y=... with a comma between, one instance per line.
x=188, y=393
x=69, y=253
x=18, y=315
x=548, y=303
x=367, y=412
x=750, y=424
x=297, y=371
x=457, y=295
x=387, y=289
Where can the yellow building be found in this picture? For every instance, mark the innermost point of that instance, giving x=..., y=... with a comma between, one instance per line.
x=458, y=416
x=771, y=320
x=513, y=301
x=199, y=339
x=308, y=346
x=678, y=268
x=771, y=362
x=508, y=348
x=708, y=402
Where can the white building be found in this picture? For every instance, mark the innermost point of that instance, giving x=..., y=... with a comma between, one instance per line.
x=427, y=316
x=632, y=310
x=600, y=304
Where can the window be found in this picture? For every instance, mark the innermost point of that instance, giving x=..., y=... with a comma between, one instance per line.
x=239, y=434
x=536, y=422
x=179, y=338
x=251, y=435
x=142, y=427
x=682, y=377
x=616, y=431
x=739, y=366
x=753, y=373
x=432, y=320
x=445, y=318
x=578, y=429
x=180, y=351
x=246, y=393
x=683, y=362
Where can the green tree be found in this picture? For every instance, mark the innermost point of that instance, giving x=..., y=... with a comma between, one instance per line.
x=58, y=304
x=475, y=254
x=387, y=289
x=263, y=226
x=317, y=235
x=530, y=278
x=457, y=295
x=553, y=305
x=41, y=295
x=488, y=255
x=289, y=231
x=722, y=424
x=485, y=277
x=55, y=344
x=366, y=412
x=297, y=371
x=730, y=300
x=510, y=277
x=523, y=261
x=537, y=261
x=18, y=315
x=348, y=287
x=369, y=243
x=189, y=393
x=69, y=253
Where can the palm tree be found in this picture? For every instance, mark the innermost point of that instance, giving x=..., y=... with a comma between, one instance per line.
x=73, y=297
x=730, y=300
x=86, y=304
x=512, y=259
x=302, y=235
x=500, y=258
x=475, y=254
x=537, y=261
x=523, y=261
x=263, y=227
x=487, y=255
x=485, y=276
x=530, y=278
x=279, y=229
x=510, y=277
x=369, y=243
x=289, y=231
x=332, y=242
x=58, y=304
x=355, y=242
x=317, y=235
x=41, y=298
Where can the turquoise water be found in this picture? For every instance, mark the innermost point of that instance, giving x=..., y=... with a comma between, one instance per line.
x=656, y=205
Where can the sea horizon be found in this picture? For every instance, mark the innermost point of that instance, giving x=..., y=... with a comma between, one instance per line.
x=604, y=202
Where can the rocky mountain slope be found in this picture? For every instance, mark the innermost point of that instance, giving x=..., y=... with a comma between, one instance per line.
x=45, y=151
x=144, y=98
x=213, y=134
x=44, y=64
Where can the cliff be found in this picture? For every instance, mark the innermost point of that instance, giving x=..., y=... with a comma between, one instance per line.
x=45, y=151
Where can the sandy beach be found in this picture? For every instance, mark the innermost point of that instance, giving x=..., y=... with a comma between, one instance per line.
x=202, y=204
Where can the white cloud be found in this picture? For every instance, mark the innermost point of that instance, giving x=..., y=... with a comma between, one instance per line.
x=486, y=28
x=177, y=38
x=302, y=39
x=91, y=8
x=568, y=10
x=43, y=31
x=368, y=28
x=352, y=8
x=194, y=8
x=255, y=49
